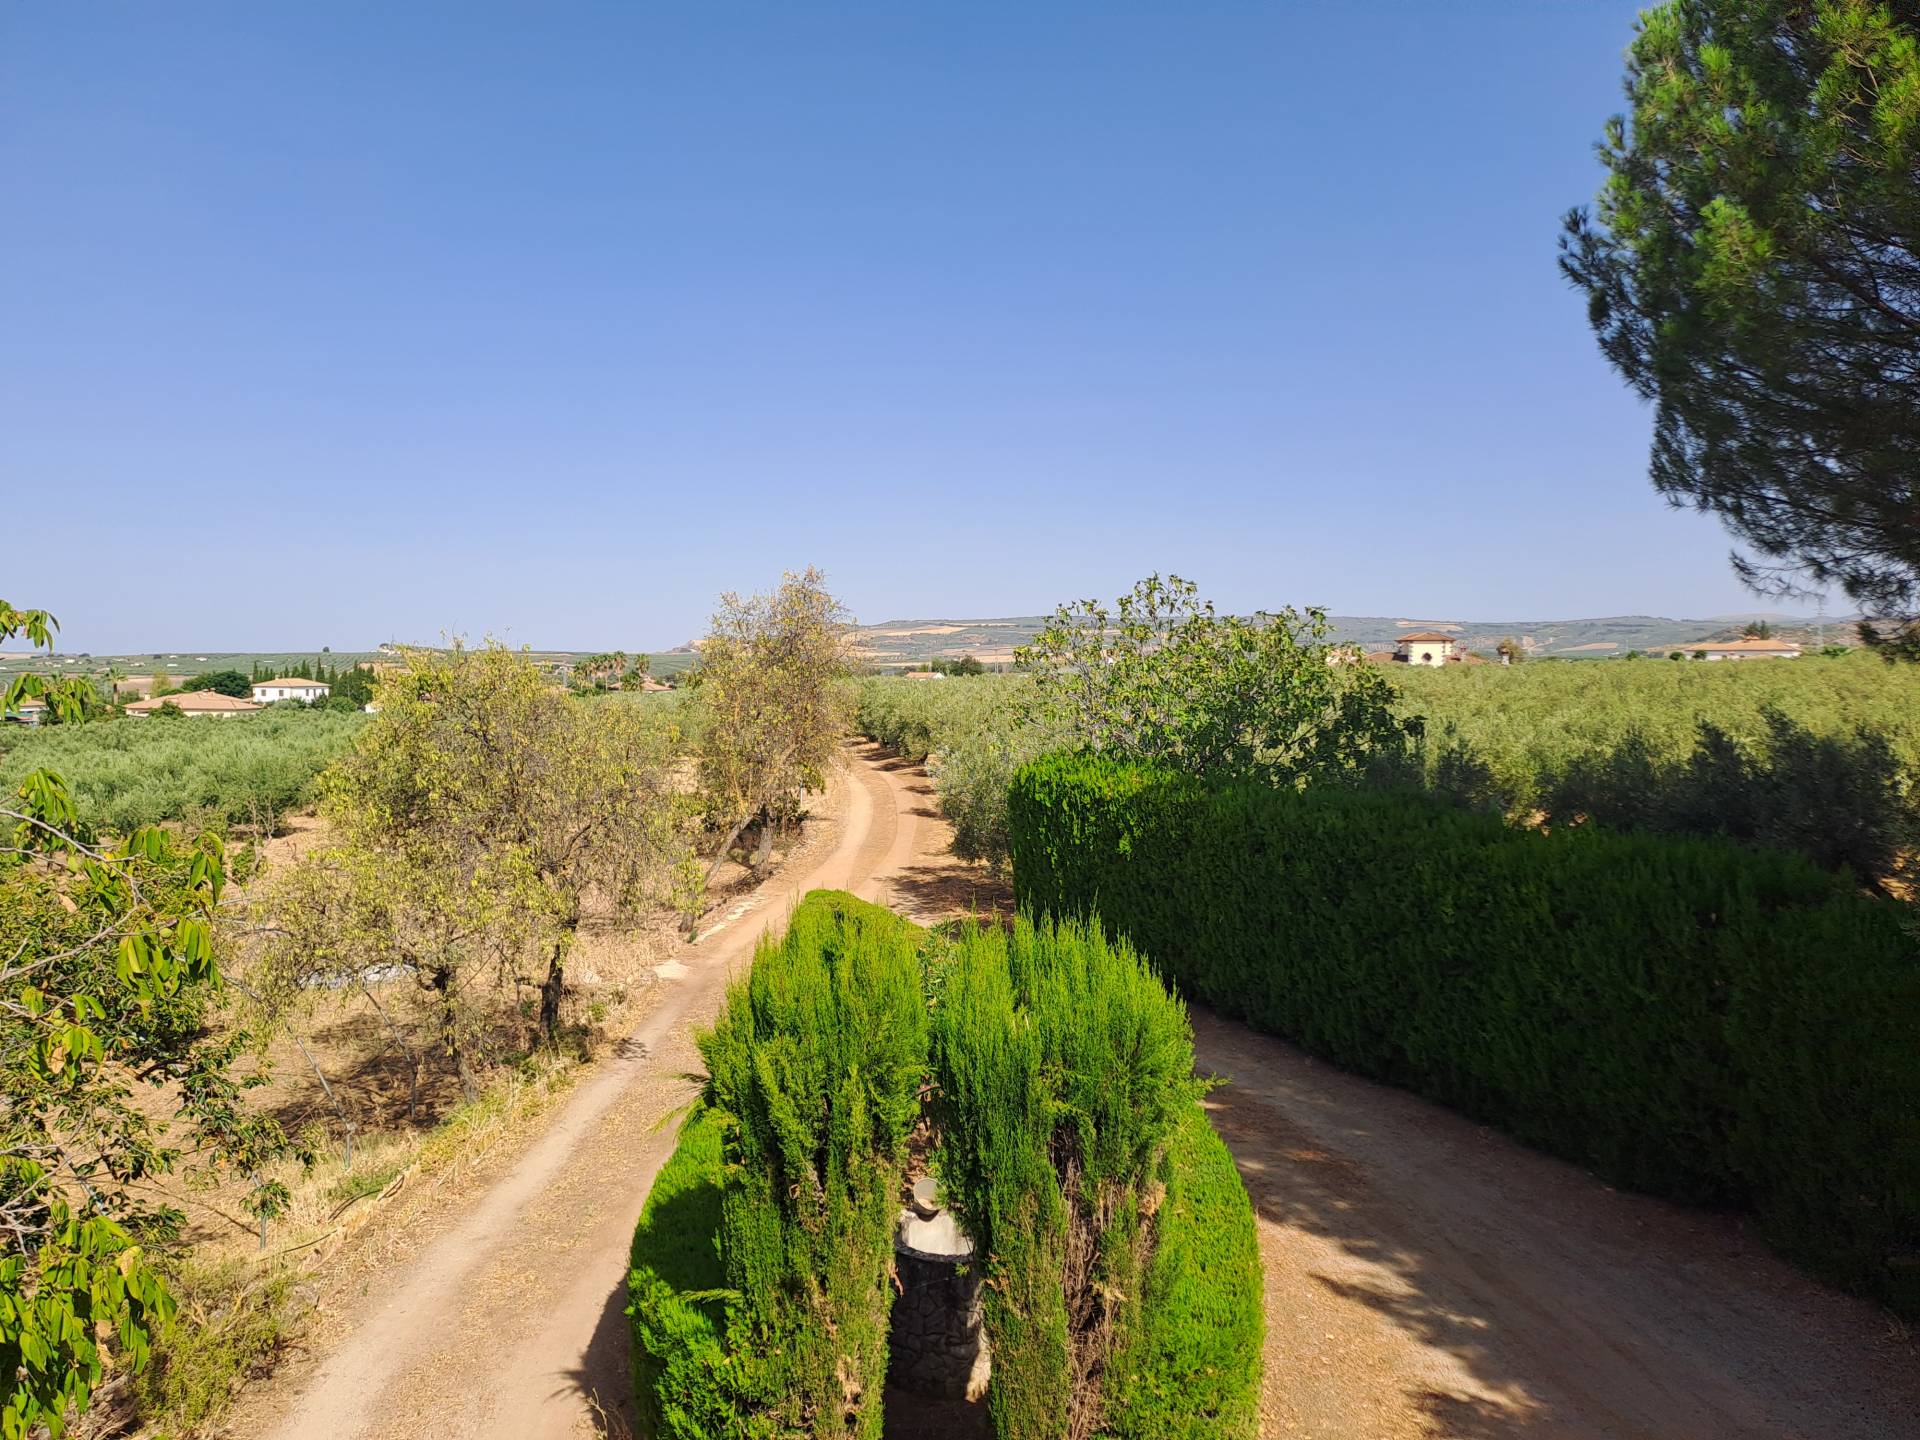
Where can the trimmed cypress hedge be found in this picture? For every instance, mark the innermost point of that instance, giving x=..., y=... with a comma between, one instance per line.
x=1073, y=1146
x=675, y=1286
x=1122, y=1278
x=1187, y=1364
x=1688, y=1017
x=793, y=1167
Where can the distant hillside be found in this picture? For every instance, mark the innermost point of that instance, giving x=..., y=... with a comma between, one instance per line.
x=896, y=643
x=178, y=665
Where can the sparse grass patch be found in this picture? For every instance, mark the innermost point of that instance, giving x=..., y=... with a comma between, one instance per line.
x=233, y=1319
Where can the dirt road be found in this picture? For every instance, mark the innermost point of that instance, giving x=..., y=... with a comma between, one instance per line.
x=1425, y=1277
x=1429, y=1277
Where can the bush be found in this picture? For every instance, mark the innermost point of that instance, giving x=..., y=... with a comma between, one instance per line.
x=1187, y=1363
x=1686, y=1016
x=676, y=1292
x=813, y=1088
x=1063, y=1073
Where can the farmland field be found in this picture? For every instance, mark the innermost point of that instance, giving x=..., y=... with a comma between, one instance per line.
x=1522, y=728
x=125, y=773
x=178, y=665
x=1531, y=718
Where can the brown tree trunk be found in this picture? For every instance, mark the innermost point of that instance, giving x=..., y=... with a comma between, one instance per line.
x=551, y=991
x=450, y=1033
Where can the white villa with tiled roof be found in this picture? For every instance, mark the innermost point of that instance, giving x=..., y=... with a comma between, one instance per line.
x=290, y=687
x=196, y=702
x=1424, y=647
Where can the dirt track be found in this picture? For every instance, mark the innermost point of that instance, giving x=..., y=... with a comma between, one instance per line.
x=1425, y=1277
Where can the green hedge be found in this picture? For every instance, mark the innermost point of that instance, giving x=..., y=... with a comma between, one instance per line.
x=1107, y=1215
x=813, y=1082
x=1187, y=1365
x=673, y=1287
x=1688, y=1017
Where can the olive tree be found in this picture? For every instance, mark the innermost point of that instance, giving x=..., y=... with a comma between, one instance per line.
x=773, y=705
x=520, y=799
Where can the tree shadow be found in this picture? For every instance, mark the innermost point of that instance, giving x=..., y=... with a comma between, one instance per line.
x=950, y=889
x=604, y=1377
x=1529, y=1299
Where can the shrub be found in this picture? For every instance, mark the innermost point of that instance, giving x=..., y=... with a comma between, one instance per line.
x=1686, y=1016
x=1187, y=1362
x=813, y=1088
x=1064, y=1075
x=972, y=735
x=676, y=1294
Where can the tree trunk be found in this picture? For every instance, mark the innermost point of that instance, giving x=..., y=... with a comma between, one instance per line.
x=551, y=991
x=450, y=1033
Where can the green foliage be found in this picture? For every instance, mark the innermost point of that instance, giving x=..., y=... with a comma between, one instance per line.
x=972, y=738
x=107, y=970
x=228, y=1321
x=1686, y=1016
x=1754, y=274
x=1816, y=756
x=773, y=705
x=1186, y=1365
x=676, y=1294
x=1164, y=677
x=813, y=1088
x=130, y=773
x=223, y=682
x=1063, y=1075
x=501, y=794
x=1843, y=801
x=354, y=686
x=965, y=666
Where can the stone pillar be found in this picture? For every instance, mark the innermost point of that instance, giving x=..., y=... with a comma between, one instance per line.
x=938, y=1348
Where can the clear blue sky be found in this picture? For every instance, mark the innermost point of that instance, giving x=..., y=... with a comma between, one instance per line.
x=330, y=323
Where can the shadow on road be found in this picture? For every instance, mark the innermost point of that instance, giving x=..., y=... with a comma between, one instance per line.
x=1479, y=1290
x=604, y=1378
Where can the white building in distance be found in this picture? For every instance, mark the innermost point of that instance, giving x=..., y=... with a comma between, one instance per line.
x=290, y=688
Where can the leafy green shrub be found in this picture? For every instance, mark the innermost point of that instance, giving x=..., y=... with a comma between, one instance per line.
x=1528, y=722
x=230, y=1324
x=972, y=735
x=1064, y=1077
x=813, y=1088
x=1687, y=1016
x=1841, y=800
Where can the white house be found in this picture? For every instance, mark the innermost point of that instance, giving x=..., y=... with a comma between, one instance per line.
x=1746, y=650
x=290, y=688
x=1424, y=647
